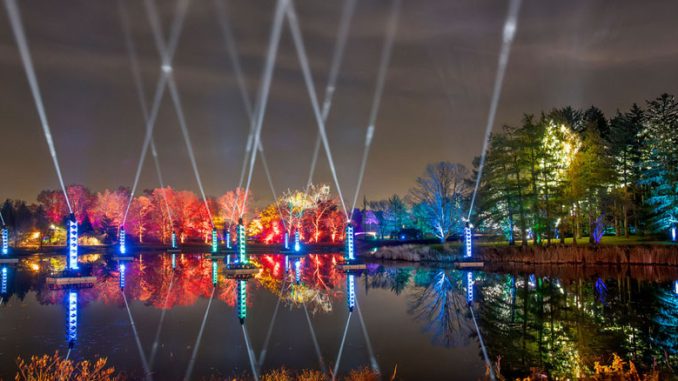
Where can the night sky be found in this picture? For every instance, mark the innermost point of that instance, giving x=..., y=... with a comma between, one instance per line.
x=435, y=104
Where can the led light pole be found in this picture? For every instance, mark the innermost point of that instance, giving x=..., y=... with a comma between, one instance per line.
x=350, y=291
x=242, y=243
x=228, y=239
x=241, y=300
x=123, y=268
x=468, y=235
x=349, y=242
x=287, y=241
x=72, y=242
x=3, y=281
x=469, y=287
x=174, y=240
x=5, y=240
x=121, y=240
x=215, y=241
x=297, y=271
x=72, y=319
x=297, y=244
x=215, y=273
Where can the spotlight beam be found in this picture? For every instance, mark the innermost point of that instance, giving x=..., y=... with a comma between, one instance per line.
x=337, y=58
x=198, y=339
x=341, y=348
x=147, y=372
x=24, y=52
x=308, y=79
x=154, y=348
x=510, y=26
x=180, y=15
x=391, y=29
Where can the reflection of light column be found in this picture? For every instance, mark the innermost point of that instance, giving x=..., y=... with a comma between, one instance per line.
x=675, y=287
x=215, y=241
x=467, y=241
x=174, y=240
x=673, y=234
x=241, y=301
x=72, y=228
x=242, y=243
x=122, y=276
x=215, y=273
x=469, y=287
x=297, y=271
x=72, y=317
x=297, y=245
x=5, y=240
x=174, y=261
x=3, y=283
x=350, y=247
x=350, y=292
x=121, y=240
x=287, y=241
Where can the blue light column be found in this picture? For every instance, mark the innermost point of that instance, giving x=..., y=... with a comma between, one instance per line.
x=174, y=240
x=350, y=291
x=297, y=244
x=673, y=234
x=242, y=243
x=3, y=281
x=215, y=241
x=287, y=241
x=121, y=240
x=228, y=239
x=297, y=271
x=72, y=318
x=215, y=273
x=468, y=245
x=174, y=261
x=469, y=287
x=123, y=268
x=5, y=240
x=349, y=242
x=72, y=229
x=675, y=287
x=241, y=299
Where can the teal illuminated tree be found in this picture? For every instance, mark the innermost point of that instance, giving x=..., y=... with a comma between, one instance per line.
x=660, y=161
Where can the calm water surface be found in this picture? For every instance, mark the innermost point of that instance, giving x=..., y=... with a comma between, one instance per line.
x=413, y=317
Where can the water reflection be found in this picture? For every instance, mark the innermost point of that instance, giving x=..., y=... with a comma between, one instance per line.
x=339, y=321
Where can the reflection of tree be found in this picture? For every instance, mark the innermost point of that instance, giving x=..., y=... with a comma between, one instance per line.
x=666, y=320
x=443, y=310
x=394, y=279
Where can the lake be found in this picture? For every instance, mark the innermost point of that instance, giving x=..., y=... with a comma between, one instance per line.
x=411, y=319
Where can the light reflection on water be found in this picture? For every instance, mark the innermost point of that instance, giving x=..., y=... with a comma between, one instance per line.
x=415, y=317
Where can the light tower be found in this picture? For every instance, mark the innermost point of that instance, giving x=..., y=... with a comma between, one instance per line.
x=72, y=243
x=287, y=240
x=174, y=261
x=72, y=318
x=297, y=244
x=297, y=271
x=215, y=273
x=350, y=291
x=123, y=268
x=5, y=240
x=469, y=287
x=215, y=241
x=174, y=240
x=241, y=300
x=227, y=238
x=242, y=243
x=121, y=240
x=468, y=245
x=673, y=235
x=3, y=281
x=349, y=242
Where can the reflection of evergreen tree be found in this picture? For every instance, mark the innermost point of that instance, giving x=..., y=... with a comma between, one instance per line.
x=442, y=308
x=666, y=320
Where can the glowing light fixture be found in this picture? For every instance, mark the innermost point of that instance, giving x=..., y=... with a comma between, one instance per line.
x=287, y=241
x=350, y=244
x=123, y=268
x=675, y=287
x=228, y=239
x=242, y=301
x=242, y=243
x=174, y=261
x=72, y=229
x=121, y=240
x=174, y=240
x=215, y=241
x=673, y=236
x=5, y=240
x=467, y=241
x=215, y=273
x=72, y=324
x=469, y=287
x=350, y=291
x=297, y=271
x=3, y=283
x=297, y=245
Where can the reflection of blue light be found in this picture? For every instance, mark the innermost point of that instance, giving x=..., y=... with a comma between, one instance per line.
x=675, y=287
x=228, y=239
x=469, y=287
x=121, y=241
x=297, y=271
x=350, y=244
x=72, y=316
x=673, y=234
x=242, y=300
x=532, y=281
x=122, y=276
x=287, y=241
x=174, y=240
x=467, y=241
x=215, y=241
x=5, y=241
x=174, y=261
x=72, y=228
x=3, y=284
x=297, y=245
x=215, y=273
x=350, y=292
x=242, y=243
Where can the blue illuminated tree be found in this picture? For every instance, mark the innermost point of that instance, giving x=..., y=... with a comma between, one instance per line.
x=660, y=161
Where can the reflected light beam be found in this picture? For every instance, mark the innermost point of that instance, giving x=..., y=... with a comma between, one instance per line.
x=510, y=26
x=154, y=347
x=24, y=52
x=341, y=348
x=250, y=352
x=147, y=371
x=368, y=342
x=316, y=346
x=198, y=339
